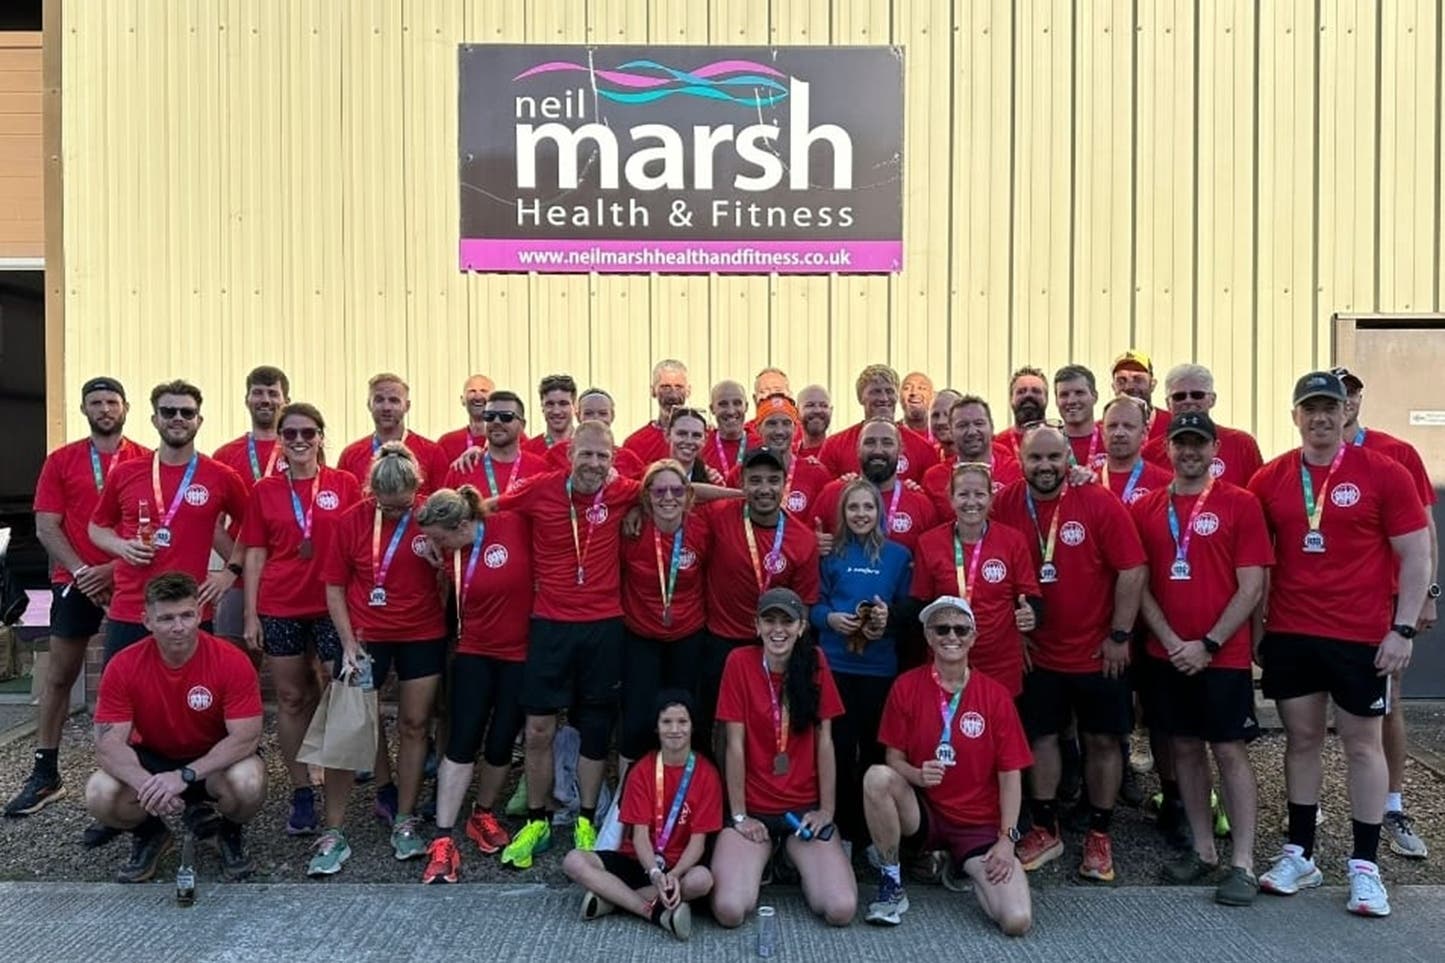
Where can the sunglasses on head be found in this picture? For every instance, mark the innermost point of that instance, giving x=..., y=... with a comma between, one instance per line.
x=306, y=434
x=505, y=417
x=950, y=628
x=661, y=491
x=1188, y=395
x=1043, y=423
x=167, y=412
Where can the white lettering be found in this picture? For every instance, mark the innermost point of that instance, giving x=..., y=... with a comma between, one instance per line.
x=568, y=143
x=704, y=142
x=766, y=160
x=801, y=138
x=668, y=152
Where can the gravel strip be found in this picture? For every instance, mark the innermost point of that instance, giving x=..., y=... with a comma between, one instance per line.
x=47, y=846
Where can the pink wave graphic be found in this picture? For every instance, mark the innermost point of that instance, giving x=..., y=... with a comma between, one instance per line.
x=644, y=82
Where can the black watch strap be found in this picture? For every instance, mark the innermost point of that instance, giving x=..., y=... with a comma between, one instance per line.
x=188, y=775
x=1211, y=645
x=1403, y=631
x=234, y=569
x=1120, y=636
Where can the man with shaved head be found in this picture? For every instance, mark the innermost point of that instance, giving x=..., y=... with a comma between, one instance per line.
x=815, y=406
x=877, y=392
x=670, y=389
x=727, y=445
x=475, y=392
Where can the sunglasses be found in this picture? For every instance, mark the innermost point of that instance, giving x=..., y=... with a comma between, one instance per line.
x=1188, y=395
x=306, y=434
x=944, y=631
x=1044, y=423
x=167, y=412
x=662, y=491
x=505, y=417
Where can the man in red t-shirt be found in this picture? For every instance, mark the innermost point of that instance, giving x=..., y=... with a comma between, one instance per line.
x=1398, y=824
x=1092, y=572
x=727, y=444
x=177, y=724
x=475, y=392
x=82, y=576
x=940, y=427
x=1133, y=375
x=815, y=406
x=1190, y=388
x=388, y=399
x=1122, y=472
x=557, y=397
x=670, y=389
x=908, y=512
x=162, y=514
x=595, y=404
x=970, y=430
x=877, y=390
x=1028, y=399
x=916, y=395
x=803, y=477
x=1075, y=395
x=1334, y=627
x=959, y=791
x=499, y=465
x=1208, y=551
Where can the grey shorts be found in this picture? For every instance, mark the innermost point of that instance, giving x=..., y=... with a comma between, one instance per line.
x=230, y=618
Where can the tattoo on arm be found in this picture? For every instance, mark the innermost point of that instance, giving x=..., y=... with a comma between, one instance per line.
x=103, y=729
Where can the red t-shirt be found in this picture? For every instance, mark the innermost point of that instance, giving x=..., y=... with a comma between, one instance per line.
x=1151, y=478
x=1228, y=534
x=915, y=514
x=538, y=444
x=179, y=713
x=1005, y=572
x=1096, y=541
x=732, y=451
x=413, y=609
x=496, y=606
x=804, y=480
x=805, y=449
x=624, y=462
x=509, y=474
x=214, y=491
x=743, y=697
x=1340, y=593
x=839, y=453
x=987, y=739
x=67, y=488
x=291, y=586
x=457, y=441
x=938, y=479
x=1236, y=462
x=431, y=462
x=648, y=443
x=236, y=455
x=642, y=587
x=1081, y=447
x=1159, y=419
x=732, y=586
x=556, y=557
x=701, y=811
x=1408, y=457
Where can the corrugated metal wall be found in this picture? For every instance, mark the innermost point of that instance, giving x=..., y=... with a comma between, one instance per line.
x=272, y=181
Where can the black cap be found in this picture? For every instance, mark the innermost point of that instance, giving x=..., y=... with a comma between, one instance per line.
x=102, y=384
x=763, y=456
x=1347, y=377
x=1318, y=384
x=1193, y=423
x=785, y=599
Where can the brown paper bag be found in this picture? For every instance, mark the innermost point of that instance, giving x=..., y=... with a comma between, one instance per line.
x=343, y=732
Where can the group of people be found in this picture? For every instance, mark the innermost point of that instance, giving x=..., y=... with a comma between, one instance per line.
x=901, y=635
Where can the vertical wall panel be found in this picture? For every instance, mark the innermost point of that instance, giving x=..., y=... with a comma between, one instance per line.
x=1409, y=190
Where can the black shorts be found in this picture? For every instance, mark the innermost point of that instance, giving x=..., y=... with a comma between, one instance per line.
x=123, y=635
x=72, y=614
x=962, y=843
x=1101, y=705
x=1301, y=665
x=288, y=637
x=648, y=667
x=1216, y=705
x=154, y=762
x=485, y=701
x=572, y=663
x=625, y=868
x=413, y=660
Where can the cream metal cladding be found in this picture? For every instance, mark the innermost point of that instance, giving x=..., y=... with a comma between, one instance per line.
x=273, y=181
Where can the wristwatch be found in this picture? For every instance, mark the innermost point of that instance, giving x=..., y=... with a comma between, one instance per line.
x=1403, y=631
x=1433, y=592
x=1120, y=636
x=1012, y=834
x=188, y=775
x=739, y=818
x=234, y=569
x=1211, y=646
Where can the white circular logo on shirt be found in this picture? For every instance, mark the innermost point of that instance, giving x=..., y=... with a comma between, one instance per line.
x=971, y=725
x=197, y=495
x=797, y=501
x=775, y=562
x=901, y=522
x=199, y=698
x=420, y=546
x=1072, y=533
x=998, y=486
x=902, y=463
x=1206, y=524
x=328, y=500
x=686, y=559
x=1345, y=495
x=495, y=556
x=1216, y=467
x=1135, y=495
x=597, y=514
x=994, y=571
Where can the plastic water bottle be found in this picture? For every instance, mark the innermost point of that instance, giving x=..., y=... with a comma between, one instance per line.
x=767, y=930
x=796, y=825
x=363, y=675
x=186, y=872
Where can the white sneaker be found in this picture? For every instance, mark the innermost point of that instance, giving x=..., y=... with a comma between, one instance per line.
x=1367, y=890
x=1291, y=873
x=1403, y=841
x=1141, y=753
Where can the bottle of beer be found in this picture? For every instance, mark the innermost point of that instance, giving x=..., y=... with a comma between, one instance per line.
x=186, y=871
x=145, y=530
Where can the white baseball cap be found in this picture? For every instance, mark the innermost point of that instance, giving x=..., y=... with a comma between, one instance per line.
x=946, y=602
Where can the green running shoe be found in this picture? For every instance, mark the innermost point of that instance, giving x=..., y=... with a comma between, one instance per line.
x=1221, y=818
x=331, y=851
x=533, y=838
x=584, y=834
x=406, y=842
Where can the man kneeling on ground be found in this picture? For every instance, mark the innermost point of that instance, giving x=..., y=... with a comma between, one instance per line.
x=177, y=723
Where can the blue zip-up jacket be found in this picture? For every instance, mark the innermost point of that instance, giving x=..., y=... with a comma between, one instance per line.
x=851, y=577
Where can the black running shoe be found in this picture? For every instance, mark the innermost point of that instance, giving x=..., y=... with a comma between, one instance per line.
x=38, y=792
x=98, y=834
x=145, y=855
x=236, y=864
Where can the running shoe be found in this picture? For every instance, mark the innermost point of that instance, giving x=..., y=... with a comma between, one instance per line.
x=406, y=841
x=1367, y=891
x=1403, y=841
x=386, y=804
x=443, y=862
x=487, y=832
x=584, y=835
x=594, y=906
x=677, y=922
x=1141, y=753
x=145, y=855
x=1291, y=873
x=236, y=864
x=1188, y=870
x=891, y=904
x=98, y=834
x=533, y=838
x=1039, y=846
x=302, y=821
x=331, y=851
x=38, y=792
x=1098, y=862
x=1239, y=888
x=1221, y=818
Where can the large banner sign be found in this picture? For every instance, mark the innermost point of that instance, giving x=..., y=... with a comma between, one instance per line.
x=735, y=160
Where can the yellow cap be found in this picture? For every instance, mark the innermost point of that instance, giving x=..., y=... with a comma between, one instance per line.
x=1135, y=359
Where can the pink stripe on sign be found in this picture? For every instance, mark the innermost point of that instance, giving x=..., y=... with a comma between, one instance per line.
x=619, y=256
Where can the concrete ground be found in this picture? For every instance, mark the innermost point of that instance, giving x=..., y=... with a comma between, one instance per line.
x=78, y=921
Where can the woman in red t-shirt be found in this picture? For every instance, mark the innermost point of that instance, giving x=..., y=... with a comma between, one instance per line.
x=777, y=701
x=671, y=801
x=383, y=593
x=492, y=575
x=686, y=431
x=288, y=530
x=662, y=602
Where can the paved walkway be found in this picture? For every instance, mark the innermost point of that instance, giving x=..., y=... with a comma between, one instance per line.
x=322, y=921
